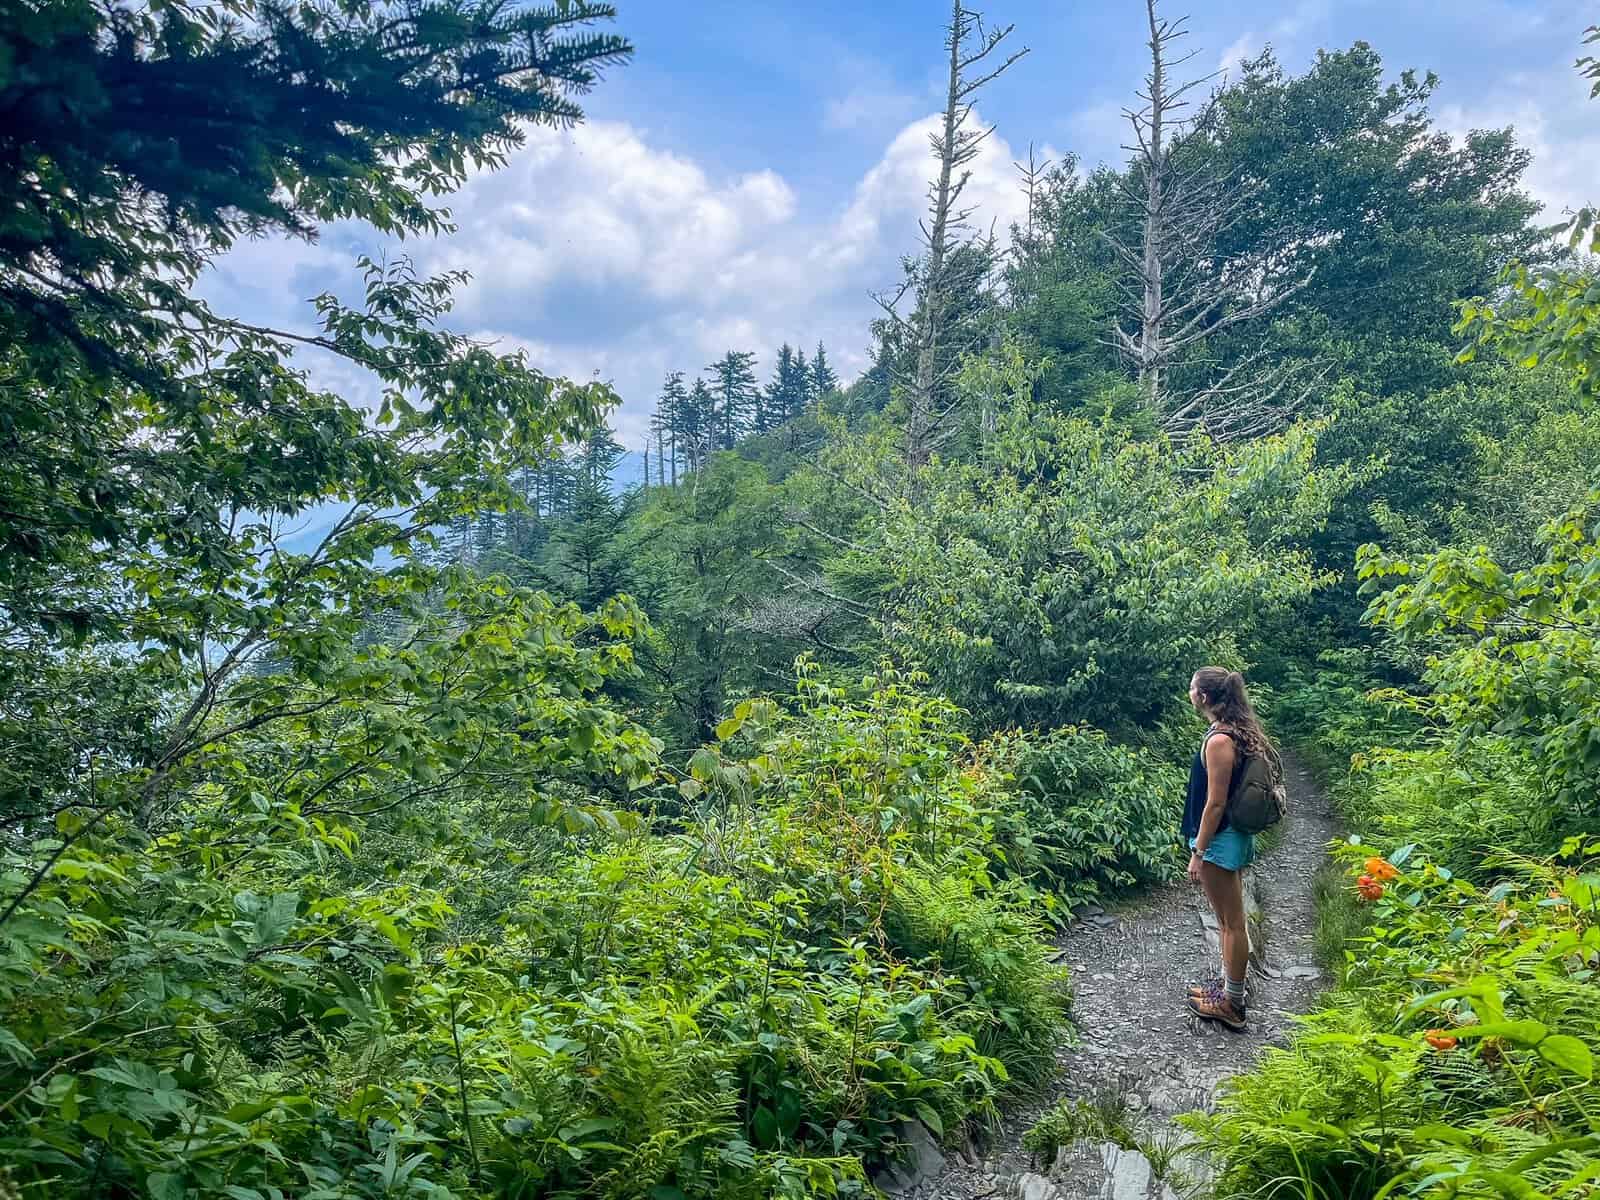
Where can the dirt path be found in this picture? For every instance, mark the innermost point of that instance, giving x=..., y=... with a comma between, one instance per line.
x=1137, y=1047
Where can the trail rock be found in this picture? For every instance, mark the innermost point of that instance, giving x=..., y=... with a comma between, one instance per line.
x=1029, y=1186
x=1106, y=1171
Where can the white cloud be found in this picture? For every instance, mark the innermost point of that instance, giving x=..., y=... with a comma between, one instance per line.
x=892, y=196
x=1552, y=116
x=597, y=205
x=1099, y=131
x=605, y=256
x=868, y=107
x=602, y=255
x=1243, y=47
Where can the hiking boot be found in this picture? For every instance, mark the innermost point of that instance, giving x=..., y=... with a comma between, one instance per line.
x=1219, y=1009
x=1213, y=987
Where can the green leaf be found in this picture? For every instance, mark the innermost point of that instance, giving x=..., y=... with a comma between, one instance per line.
x=1442, y=1133
x=13, y=1047
x=163, y=1185
x=1568, y=1053
x=582, y=1129
x=1525, y=1032
x=275, y=917
x=764, y=1125
x=704, y=764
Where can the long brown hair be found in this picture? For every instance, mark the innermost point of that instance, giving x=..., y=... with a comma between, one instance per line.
x=1223, y=694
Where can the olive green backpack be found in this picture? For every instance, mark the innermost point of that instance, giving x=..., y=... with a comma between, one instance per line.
x=1259, y=798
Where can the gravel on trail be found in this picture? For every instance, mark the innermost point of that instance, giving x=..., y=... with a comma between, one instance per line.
x=1135, y=1038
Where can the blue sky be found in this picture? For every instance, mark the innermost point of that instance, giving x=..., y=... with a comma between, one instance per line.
x=757, y=170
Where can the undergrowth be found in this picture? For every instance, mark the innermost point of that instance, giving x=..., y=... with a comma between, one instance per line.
x=1456, y=1057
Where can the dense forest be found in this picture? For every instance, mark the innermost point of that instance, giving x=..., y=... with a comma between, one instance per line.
x=519, y=834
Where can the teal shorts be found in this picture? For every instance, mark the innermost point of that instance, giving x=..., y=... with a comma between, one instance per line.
x=1230, y=849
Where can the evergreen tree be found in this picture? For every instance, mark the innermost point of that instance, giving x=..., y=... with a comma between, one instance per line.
x=736, y=395
x=557, y=480
x=697, y=425
x=140, y=141
x=823, y=380
x=597, y=458
x=788, y=392
x=667, y=423
x=807, y=385
x=770, y=408
x=584, y=562
x=525, y=530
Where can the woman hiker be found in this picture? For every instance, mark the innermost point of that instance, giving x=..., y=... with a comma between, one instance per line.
x=1219, y=853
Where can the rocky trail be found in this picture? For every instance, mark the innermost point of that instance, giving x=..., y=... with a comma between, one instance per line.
x=1137, y=1052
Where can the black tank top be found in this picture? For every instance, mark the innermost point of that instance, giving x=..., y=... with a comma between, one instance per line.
x=1194, y=804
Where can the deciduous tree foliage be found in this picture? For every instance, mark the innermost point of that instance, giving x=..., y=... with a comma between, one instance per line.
x=1072, y=572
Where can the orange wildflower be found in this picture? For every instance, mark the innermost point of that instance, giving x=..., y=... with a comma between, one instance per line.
x=1369, y=888
x=1439, y=1040
x=1381, y=869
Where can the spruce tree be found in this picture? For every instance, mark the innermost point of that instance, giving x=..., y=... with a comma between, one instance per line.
x=777, y=402
x=139, y=141
x=699, y=424
x=583, y=561
x=668, y=423
x=733, y=386
x=597, y=458
x=808, y=390
x=823, y=380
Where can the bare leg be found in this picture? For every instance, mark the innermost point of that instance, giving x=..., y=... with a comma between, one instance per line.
x=1225, y=893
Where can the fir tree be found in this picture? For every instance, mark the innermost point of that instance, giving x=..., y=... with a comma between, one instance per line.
x=696, y=426
x=785, y=397
x=733, y=386
x=556, y=483
x=584, y=562
x=667, y=424
x=597, y=458
x=140, y=140
x=823, y=380
x=807, y=385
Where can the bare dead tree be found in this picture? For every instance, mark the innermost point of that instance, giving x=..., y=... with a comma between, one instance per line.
x=1181, y=291
x=953, y=261
x=1034, y=174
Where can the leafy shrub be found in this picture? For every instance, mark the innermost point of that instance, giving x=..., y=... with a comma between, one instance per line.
x=1327, y=711
x=1471, y=806
x=1513, y=653
x=1073, y=572
x=992, y=947
x=1082, y=815
x=818, y=1048
x=458, y=1000
x=1458, y=1057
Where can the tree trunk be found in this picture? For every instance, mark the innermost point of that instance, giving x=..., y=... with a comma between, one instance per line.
x=1154, y=169
x=919, y=418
